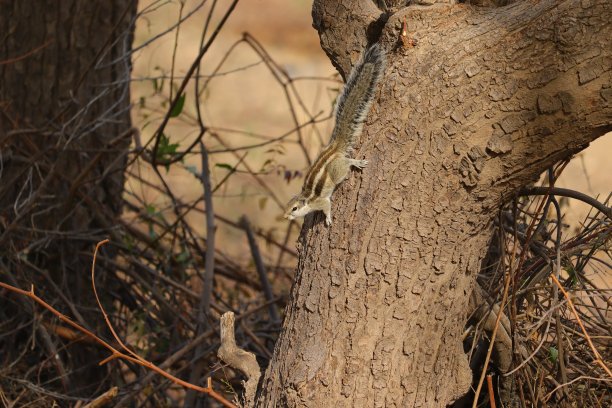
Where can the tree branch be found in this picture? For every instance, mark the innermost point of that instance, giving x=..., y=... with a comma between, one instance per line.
x=239, y=359
x=343, y=27
x=565, y=192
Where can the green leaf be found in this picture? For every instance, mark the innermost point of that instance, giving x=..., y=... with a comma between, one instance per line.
x=193, y=170
x=183, y=257
x=225, y=166
x=150, y=209
x=262, y=202
x=178, y=107
x=128, y=240
x=152, y=233
x=573, y=277
x=553, y=354
x=165, y=149
x=263, y=166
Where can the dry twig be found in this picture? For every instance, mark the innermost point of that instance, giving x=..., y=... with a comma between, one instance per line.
x=239, y=359
x=115, y=353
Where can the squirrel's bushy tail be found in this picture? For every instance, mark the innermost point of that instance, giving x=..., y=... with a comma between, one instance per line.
x=356, y=97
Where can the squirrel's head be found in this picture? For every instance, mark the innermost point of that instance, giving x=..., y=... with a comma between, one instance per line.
x=297, y=207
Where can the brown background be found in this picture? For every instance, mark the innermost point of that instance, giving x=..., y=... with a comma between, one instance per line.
x=253, y=101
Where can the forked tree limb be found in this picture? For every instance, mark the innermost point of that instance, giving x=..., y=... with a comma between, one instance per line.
x=239, y=359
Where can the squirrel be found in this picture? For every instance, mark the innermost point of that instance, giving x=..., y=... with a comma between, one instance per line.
x=333, y=164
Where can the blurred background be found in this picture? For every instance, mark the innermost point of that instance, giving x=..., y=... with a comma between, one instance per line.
x=248, y=103
x=282, y=104
x=262, y=97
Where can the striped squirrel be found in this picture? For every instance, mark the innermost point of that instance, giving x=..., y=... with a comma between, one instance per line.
x=333, y=164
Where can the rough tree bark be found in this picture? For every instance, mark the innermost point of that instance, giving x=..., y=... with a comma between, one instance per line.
x=488, y=99
x=64, y=135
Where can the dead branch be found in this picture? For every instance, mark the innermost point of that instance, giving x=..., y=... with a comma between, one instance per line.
x=103, y=399
x=239, y=359
x=115, y=353
x=259, y=265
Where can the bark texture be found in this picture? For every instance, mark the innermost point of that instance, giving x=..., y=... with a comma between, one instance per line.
x=64, y=135
x=487, y=100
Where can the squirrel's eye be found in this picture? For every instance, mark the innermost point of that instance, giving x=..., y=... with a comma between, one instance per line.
x=294, y=208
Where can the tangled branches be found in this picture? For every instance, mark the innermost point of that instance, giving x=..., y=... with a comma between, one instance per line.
x=540, y=324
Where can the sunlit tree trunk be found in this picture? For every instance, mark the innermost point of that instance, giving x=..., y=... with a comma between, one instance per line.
x=488, y=99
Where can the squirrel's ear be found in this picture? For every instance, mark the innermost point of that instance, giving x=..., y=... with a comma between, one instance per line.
x=290, y=203
x=293, y=199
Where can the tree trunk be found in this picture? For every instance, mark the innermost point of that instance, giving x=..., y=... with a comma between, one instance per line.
x=64, y=134
x=487, y=100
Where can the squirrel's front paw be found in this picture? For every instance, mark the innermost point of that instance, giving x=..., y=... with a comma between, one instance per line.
x=360, y=164
x=328, y=221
